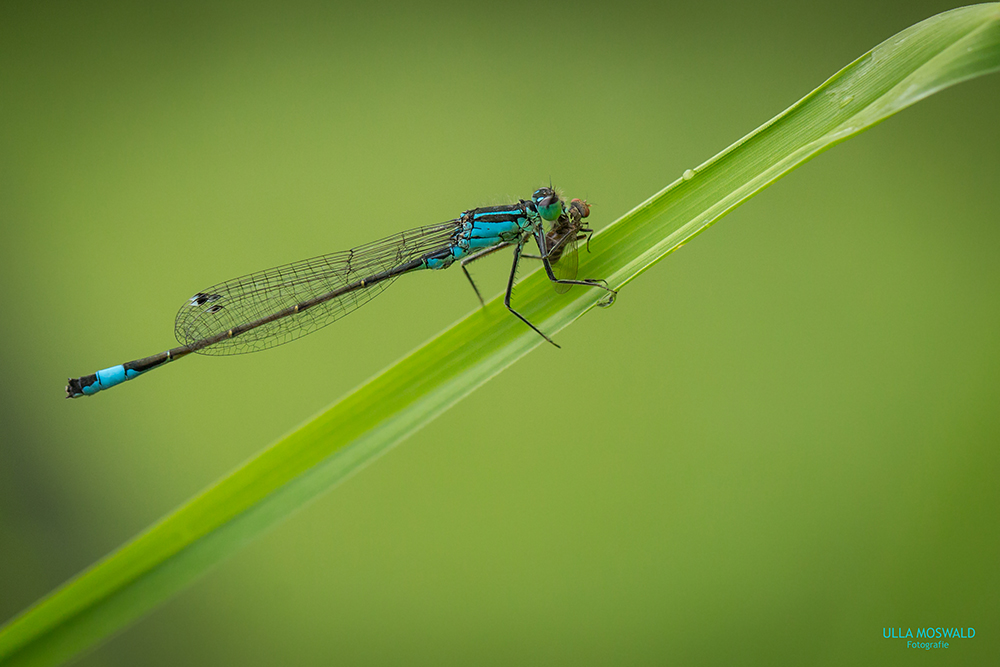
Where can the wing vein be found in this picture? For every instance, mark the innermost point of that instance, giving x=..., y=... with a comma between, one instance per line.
x=256, y=296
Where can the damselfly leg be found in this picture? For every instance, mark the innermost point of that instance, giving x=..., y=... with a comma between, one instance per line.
x=472, y=258
x=510, y=290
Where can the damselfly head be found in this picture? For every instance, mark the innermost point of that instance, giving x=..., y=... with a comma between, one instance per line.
x=548, y=203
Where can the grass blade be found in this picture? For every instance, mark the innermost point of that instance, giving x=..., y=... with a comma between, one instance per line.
x=919, y=61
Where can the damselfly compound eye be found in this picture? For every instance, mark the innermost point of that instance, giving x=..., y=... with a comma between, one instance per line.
x=547, y=203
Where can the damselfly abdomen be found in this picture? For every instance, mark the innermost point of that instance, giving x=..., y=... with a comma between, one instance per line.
x=272, y=307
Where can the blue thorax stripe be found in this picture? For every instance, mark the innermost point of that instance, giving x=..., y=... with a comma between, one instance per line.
x=484, y=228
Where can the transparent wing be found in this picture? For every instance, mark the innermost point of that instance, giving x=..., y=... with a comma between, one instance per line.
x=565, y=259
x=560, y=242
x=259, y=295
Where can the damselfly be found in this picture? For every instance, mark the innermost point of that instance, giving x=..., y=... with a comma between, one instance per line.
x=272, y=307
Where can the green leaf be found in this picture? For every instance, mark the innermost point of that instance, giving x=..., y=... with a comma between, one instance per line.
x=939, y=52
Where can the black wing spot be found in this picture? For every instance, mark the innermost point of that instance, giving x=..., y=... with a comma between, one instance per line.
x=214, y=309
x=200, y=299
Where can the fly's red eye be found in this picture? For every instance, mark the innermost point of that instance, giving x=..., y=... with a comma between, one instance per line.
x=582, y=206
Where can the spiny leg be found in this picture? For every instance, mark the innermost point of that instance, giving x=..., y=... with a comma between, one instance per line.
x=473, y=257
x=510, y=290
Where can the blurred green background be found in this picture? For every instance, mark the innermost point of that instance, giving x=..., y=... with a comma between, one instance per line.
x=778, y=442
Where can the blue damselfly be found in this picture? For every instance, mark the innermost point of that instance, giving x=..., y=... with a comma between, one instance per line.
x=272, y=307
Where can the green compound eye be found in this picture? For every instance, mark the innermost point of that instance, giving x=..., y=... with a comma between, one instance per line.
x=548, y=203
